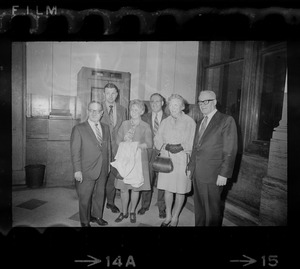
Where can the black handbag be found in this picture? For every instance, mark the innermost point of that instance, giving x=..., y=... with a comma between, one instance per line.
x=162, y=164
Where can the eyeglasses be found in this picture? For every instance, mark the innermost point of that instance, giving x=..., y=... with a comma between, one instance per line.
x=95, y=111
x=205, y=102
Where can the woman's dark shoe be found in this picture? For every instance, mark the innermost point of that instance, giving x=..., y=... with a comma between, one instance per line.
x=132, y=217
x=121, y=217
x=165, y=224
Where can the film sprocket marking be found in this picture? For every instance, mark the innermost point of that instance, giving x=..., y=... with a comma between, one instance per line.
x=39, y=16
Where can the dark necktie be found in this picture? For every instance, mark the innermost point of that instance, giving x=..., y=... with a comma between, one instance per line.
x=202, y=128
x=156, y=125
x=111, y=115
x=98, y=134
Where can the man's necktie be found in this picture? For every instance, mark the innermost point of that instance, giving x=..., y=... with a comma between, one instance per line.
x=202, y=128
x=98, y=134
x=156, y=125
x=111, y=115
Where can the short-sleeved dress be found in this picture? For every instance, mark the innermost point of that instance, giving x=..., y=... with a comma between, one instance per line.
x=176, y=131
x=140, y=133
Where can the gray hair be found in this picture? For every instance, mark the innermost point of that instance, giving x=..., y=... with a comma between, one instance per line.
x=139, y=103
x=177, y=97
x=95, y=102
x=212, y=93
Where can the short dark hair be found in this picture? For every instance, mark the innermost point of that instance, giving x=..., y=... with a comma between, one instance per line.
x=111, y=85
x=158, y=94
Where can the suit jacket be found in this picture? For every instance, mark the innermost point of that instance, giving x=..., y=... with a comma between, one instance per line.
x=148, y=118
x=86, y=153
x=121, y=116
x=152, y=152
x=215, y=153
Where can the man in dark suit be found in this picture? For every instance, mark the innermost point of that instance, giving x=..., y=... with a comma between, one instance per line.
x=212, y=160
x=154, y=119
x=90, y=155
x=113, y=115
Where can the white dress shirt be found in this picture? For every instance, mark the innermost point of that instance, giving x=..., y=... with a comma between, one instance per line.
x=209, y=116
x=159, y=117
x=93, y=126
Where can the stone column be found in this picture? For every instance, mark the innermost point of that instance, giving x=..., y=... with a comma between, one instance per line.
x=273, y=204
x=18, y=102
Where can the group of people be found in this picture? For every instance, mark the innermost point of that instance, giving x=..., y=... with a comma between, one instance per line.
x=203, y=157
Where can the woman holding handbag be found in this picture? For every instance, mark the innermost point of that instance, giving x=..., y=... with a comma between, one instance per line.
x=175, y=139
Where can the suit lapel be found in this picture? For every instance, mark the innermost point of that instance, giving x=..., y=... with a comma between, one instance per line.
x=119, y=115
x=91, y=132
x=149, y=118
x=105, y=117
x=210, y=126
x=104, y=134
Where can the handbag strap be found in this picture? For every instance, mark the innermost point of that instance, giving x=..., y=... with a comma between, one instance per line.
x=161, y=149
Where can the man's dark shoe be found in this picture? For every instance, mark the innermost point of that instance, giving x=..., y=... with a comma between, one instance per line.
x=142, y=211
x=99, y=221
x=113, y=208
x=93, y=219
x=85, y=225
x=162, y=214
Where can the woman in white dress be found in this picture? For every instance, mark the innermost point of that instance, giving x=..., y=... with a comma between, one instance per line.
x=175, y=138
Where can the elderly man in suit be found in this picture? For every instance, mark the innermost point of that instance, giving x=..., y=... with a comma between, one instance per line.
x=113, y=115
x=154, y=118
x=212, y=160
x=90, y=155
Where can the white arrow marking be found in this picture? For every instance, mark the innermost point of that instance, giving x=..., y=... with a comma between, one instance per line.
x=248, y=262
x=93, y=261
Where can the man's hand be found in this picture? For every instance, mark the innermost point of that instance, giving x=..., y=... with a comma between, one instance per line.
x=78, y=176
x=221, y=181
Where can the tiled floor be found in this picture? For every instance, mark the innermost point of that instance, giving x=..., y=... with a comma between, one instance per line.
x=58, y=206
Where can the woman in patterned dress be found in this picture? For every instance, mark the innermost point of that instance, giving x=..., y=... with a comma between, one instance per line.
x=134, y=130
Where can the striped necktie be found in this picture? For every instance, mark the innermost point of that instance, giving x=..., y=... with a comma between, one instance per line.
x=156, y=125
x=98, y=134
x=202, y=128
x=111, y=115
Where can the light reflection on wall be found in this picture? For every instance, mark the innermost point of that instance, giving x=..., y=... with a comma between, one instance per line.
x=42, y=106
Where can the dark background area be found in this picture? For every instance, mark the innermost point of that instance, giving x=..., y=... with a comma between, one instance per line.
x=151, y=248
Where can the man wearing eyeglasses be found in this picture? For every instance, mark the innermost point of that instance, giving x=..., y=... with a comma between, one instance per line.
x=212, y=160
x=90, y=155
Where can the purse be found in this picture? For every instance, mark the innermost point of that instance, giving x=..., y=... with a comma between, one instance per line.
x=162, y=164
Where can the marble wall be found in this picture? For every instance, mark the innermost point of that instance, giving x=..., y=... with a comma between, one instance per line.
x=48, y=143
x=243, y=190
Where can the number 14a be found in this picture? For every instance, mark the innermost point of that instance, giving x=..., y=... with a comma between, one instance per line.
x=118, y=261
